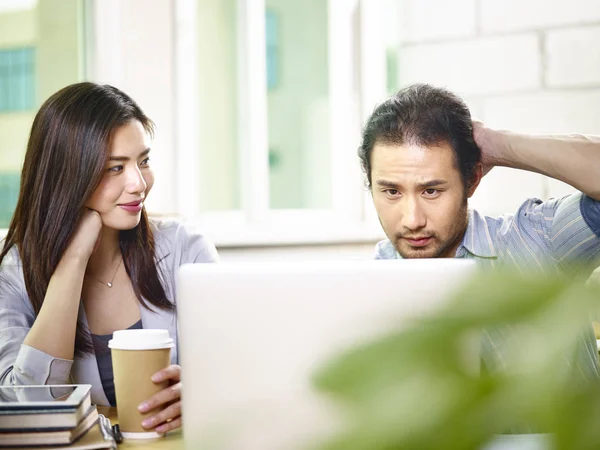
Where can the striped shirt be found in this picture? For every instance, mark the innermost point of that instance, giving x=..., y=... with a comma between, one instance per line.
x=547, y=235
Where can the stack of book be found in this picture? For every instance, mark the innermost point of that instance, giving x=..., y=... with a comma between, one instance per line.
x=58, y=415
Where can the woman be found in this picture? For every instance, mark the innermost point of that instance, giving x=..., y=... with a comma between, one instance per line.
x=81, y=258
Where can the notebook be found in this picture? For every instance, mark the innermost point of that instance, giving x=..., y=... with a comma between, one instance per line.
x=99, y=437
x=51, y=407
x=65, y=437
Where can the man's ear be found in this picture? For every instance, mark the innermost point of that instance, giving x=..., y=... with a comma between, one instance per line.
x=477, y=176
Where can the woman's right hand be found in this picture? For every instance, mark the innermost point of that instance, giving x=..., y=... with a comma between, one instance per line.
x=60, y=308
x=86, y=237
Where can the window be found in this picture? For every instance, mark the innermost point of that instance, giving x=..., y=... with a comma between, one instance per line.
x=259, y=107
x=272, y=48
x=9, y=193
x=42, y=49
x=17, y=77
x=17, y=94
x=279, y=112
x=298, y=105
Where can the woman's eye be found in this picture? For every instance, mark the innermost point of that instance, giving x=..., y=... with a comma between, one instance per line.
x=115, y=169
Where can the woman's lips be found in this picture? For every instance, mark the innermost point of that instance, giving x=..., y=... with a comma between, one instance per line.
x=133, y=207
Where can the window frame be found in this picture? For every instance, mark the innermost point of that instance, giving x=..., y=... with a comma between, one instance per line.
x=354, y=88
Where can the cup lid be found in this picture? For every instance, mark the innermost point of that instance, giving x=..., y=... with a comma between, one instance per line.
x=141, y=340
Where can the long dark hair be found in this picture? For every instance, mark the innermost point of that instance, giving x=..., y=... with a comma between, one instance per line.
x=68, y=149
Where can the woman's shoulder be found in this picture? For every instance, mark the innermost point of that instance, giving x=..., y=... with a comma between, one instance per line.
x=12, y=257
x=11, y=263
x=182, y=240
x=172, y=230
x=164, y=228
x=11, y=273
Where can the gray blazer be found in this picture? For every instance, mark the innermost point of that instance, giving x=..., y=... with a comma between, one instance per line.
x=21, y=364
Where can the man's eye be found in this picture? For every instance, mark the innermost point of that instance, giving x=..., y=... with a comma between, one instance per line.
x=431, y=192
x=145, y=162
x=393, y=192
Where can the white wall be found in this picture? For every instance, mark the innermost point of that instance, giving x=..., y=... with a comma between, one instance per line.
x=525, y=65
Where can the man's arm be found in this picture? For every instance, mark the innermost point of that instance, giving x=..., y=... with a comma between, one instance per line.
x=574, y=159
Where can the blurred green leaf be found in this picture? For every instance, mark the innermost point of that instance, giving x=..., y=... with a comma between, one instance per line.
x=412, y=389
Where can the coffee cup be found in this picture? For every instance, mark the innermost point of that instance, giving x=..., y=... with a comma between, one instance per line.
x=136, y=356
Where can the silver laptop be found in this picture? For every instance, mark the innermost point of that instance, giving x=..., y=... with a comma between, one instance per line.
x=252, y=334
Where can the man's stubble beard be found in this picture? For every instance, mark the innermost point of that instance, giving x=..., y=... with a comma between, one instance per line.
x=458, y=232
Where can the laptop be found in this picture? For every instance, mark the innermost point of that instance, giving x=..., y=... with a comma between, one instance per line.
x=252, y=334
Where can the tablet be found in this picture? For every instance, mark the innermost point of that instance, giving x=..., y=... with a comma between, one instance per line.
x=14, y=398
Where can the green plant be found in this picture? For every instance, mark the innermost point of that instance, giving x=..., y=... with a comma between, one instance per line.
x=412, y=390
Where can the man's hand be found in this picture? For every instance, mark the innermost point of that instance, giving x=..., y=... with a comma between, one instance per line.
x=494, y=149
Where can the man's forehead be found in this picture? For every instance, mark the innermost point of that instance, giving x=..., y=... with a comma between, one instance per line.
x=410, y=149
x=424, y=162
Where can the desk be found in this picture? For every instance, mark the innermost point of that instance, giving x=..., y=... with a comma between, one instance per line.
x=172, y=441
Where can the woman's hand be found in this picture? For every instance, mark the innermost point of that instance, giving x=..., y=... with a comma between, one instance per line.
x=62, y=300
x=170, y=417
x=86, y=236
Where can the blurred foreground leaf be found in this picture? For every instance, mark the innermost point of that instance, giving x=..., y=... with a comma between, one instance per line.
x=412, y=389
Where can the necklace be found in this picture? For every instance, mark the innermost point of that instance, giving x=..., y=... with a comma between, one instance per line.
x=110, y=283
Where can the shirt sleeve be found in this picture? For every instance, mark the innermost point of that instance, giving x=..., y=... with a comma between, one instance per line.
x=21, y=364
x=575, y=230
x=569, y=227
x=590, y=211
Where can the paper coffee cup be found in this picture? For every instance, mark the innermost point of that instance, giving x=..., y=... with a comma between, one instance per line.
x=136, y=356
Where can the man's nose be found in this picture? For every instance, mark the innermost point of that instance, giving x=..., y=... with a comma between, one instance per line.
x=413, y=217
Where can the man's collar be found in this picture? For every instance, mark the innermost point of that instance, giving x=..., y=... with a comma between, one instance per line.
x=477, y=239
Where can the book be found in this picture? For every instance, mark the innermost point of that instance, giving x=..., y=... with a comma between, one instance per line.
x=51, y=407
x=98, y=437
x=64, y=437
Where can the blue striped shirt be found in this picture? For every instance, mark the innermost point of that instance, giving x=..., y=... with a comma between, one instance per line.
x=559, y=231
x=547, y=235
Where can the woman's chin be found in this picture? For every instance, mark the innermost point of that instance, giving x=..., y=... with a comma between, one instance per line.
x=122, y=224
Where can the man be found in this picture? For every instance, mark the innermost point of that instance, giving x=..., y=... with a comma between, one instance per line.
x=424, y=158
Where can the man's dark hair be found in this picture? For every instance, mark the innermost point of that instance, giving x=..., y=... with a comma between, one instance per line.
x=423, y=115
